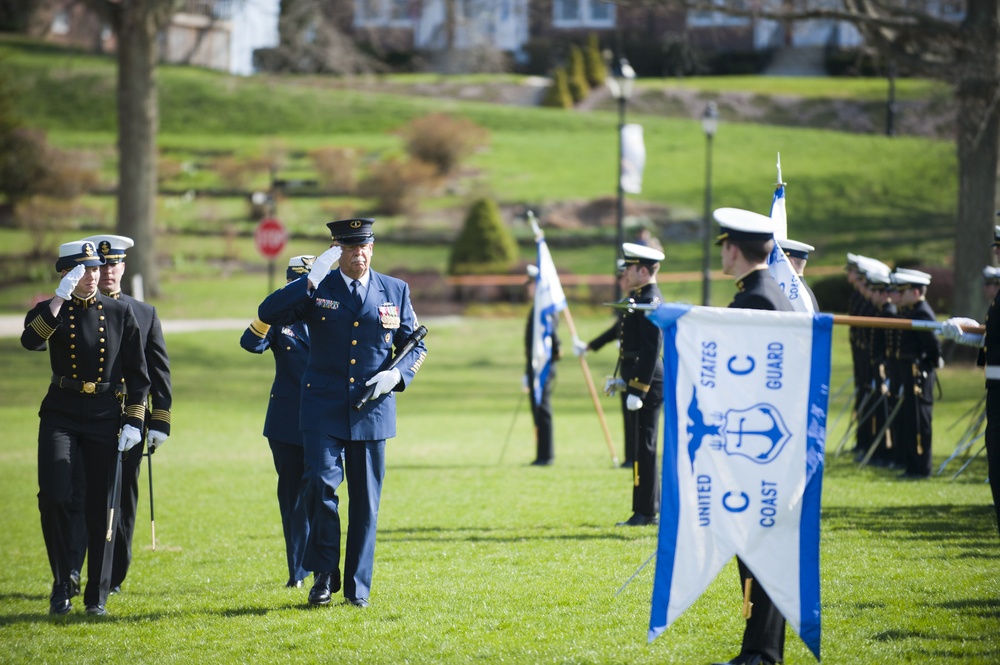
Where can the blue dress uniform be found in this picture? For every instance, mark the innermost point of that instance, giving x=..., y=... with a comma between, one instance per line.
x=289, y=344
x=91, y=343
x=764, y=634
x=113, y=250
x=349, y=345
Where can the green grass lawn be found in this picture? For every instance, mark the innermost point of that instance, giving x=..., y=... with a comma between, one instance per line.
x=480, y=557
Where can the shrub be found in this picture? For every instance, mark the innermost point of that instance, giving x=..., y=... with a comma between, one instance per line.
x=577, y=77
x=832, y=293
x=336, y=168
x=45, y=219
x=29, y=166
x=443, y=141
x=558, y=95
x=485, y=245
x=234, y=173
x=396, y=185
x=597, y=71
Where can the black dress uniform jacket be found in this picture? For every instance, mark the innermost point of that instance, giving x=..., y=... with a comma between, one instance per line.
x=989, y=357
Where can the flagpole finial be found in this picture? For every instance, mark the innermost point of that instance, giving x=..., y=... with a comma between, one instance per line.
x=534, y=225
x=780, y=183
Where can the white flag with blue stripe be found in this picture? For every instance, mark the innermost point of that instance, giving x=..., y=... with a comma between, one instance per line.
x=549, y=301
x=778, y=264
x=745, y=407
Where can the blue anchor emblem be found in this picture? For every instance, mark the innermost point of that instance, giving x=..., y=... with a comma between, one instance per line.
x=757, y=433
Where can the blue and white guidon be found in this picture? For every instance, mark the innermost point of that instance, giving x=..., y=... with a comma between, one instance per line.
x=745, y=408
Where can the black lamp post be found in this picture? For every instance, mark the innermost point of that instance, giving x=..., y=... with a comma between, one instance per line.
x=709, y=123
x=621, y=82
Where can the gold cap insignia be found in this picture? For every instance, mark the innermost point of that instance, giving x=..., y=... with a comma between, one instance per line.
x=87, y=249
x=355, y=223
x=104, y=248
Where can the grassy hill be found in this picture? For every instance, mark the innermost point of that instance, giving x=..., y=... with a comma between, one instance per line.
x=889, y=197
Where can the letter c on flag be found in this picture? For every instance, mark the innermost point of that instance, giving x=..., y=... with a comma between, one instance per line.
x=740, y=372
x=735, y=509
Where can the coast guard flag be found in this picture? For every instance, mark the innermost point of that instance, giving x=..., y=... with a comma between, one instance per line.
x=778, y=264
x=745, y=406
x=549, y=301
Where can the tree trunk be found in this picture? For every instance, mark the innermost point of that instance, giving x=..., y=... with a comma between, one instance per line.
x=138, y=123
x=978, y=142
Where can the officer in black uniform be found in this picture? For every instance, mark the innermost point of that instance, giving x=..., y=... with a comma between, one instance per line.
x=614, y=384
x=93, y=341
x=882, y=368
x=641, y=368
x=747, y=239
x=541, y=410
x=112, y=249
x=917, y=358
x=290, y=346
x=989, y=358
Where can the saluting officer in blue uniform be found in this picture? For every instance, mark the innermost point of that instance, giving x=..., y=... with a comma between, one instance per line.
x=94, y=343
x=112, y=249
x=290, y=346
x=356, y=317
x=746, y=239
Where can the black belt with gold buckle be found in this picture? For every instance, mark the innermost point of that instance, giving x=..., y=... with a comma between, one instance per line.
x=86, y=387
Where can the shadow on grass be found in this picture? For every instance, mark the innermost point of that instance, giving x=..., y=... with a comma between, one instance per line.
x=970, y=528
x=474, y=534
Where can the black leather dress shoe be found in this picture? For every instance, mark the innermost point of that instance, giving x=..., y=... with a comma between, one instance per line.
x=357, y=602
x=542, y=462
x=115, y=589
x=638, y=519
x=627, y=464
x=324, y=585
x=74, y=583
x=59, y=600
x=293, y=584
x=96, y=610
x=748, y=659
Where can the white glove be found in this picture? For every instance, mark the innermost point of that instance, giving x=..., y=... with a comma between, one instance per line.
x=322, y=264
x=612, y=385
x=155, y=438
x=633, y=403
x=579, y=347
x=384, y=382
x=69, y=282
x=952, y=329
x=130, y=436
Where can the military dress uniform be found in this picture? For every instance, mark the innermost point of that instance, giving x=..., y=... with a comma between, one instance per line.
x=113, y=249
x=918, y=354
x=91, y=343
x=764, y=634
x=350, y=343
x=541, y=410
x=989, y=358
x=289, y=344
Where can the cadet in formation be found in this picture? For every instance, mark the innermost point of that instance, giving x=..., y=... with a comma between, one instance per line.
x=94, y=410
x=356, y=318
x=289, y=344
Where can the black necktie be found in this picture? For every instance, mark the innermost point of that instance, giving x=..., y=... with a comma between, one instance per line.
x=357, y=296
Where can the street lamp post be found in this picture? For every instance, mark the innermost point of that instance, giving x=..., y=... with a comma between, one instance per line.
x=709, y=123
x=621, y=82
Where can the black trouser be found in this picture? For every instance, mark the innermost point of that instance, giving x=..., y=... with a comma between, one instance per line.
x=290, y=465
x=645, y=424
x=93, y=446
x=914, y=423
x=541, y=412
x=765, y=629
x=993, y=445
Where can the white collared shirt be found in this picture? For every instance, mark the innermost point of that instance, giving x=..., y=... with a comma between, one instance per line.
x=363, y=282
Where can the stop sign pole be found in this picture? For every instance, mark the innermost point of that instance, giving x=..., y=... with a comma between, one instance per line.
x=270, y=236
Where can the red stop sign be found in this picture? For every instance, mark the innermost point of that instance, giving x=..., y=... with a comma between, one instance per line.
x=270, y=237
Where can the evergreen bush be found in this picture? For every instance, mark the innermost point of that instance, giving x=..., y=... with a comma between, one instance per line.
x=578, y=86
x=558, y=95
x=485, y=245
x=597, y=71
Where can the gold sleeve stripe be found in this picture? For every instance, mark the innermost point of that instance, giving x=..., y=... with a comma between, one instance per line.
x=136, y=411
x=161, y=414
x=639, y=385
x=259, y=328
x=415, y=367
x=43, y=329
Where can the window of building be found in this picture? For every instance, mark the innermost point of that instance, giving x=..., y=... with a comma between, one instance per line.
x=60, y=23
x=582, y=13
x=706, y=19
x=383, y=13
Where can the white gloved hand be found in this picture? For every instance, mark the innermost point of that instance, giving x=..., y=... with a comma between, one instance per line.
x=155, y=438
x=633, y=403
x=952, y=328
x=322, y=264
x=612, y=385
x=579, y=347
x=384, y=382
x=129, y=437
x=69, y=282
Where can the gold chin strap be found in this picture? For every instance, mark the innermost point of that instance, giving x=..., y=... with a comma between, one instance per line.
x=747, y=605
